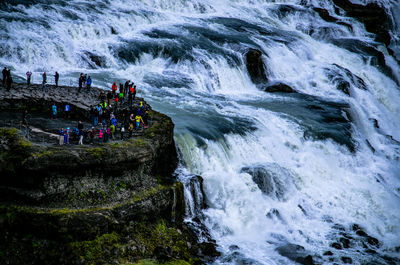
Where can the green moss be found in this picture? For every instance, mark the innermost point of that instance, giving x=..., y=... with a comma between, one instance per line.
x=138, y=196
x=140, y=142
x=94, y=250
x=19, y=150
x=41, y=154
x=8, y=132
x=153, y=237
x=97, y=152
x=154, y=128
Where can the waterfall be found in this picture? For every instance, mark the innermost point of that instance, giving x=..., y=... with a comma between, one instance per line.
x=287, y=177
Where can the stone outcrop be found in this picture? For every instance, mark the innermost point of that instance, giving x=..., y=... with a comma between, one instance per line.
x=278, y=87
x=104, y=203
x=372, y=15
x=255, y=66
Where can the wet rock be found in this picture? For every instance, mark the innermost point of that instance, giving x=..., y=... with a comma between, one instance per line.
x=95, y=60
x=376, y=124
x=345, y=242
x=336, y=245
x=324, y=14
x=272, y=179
x=275, y=213
x=233, y=247
x=255, y=66
x=344, y=86
x=339, y=227
x=296, y=253
x=113, y=31
x=328, y=253
x=195, y=186
x=373, y=241
x=355, y=227
x=209, y=249
x=373, y=15
x=279, y=87
x=347, y=260
x=370, y=146
x=361, y=233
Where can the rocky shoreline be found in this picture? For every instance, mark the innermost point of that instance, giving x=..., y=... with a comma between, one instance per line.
x=114, y=203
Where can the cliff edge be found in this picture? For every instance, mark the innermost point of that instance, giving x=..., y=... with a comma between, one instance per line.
x=114, y=202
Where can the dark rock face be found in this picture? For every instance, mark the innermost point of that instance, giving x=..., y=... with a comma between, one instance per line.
x=255, y=66
x=324, y=14
x=94, y=60
x=272, y=180
x=355, y=237
x=296, y=253
x=372, y=15
x=278, y=87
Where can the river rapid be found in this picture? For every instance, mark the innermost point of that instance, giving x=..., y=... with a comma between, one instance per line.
x=287, y=176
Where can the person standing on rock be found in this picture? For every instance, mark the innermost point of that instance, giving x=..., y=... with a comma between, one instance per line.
x=54, y=109
x=84, y=78
x=61, y=137
x=80, y=128
x=126, y=86
x=28, y=78
x=80, y=82
x=139, y=120
x=130, y=98
x=100, y=135
x=99, y=113
x=109, y=98
x=4, y=72
x=130, y=129
x=122, y=131
x=114, y=88
x=67, y=111
x=88, y=83
x=56, y=77
x=92, y=135
x=44, y=81
x=66, y=136
x=9, y=80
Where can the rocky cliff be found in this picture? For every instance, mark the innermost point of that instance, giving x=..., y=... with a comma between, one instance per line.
x=114, y=202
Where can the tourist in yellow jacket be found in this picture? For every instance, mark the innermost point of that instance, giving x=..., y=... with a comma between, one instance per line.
x=138, y=119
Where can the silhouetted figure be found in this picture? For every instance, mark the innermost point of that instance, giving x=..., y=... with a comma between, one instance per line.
x=44, y=81
x=4, y=72
x=56, y=77
x=28, y=78
x=9, y=80
x=126, y=86
x=80, y=82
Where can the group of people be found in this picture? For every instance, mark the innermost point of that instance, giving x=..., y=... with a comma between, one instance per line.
x=125, y=90
x=7, y=79
x=44, y=79
x=103, y=118
x=67, y=111
x=84, y=81
x=105, y=125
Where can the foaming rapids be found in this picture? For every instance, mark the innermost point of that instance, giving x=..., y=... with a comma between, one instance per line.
x=285, y=178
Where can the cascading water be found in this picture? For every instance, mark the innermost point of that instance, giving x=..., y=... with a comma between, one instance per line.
x=287, y=177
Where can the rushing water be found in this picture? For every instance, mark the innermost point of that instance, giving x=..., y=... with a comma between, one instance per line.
x=278, y=168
